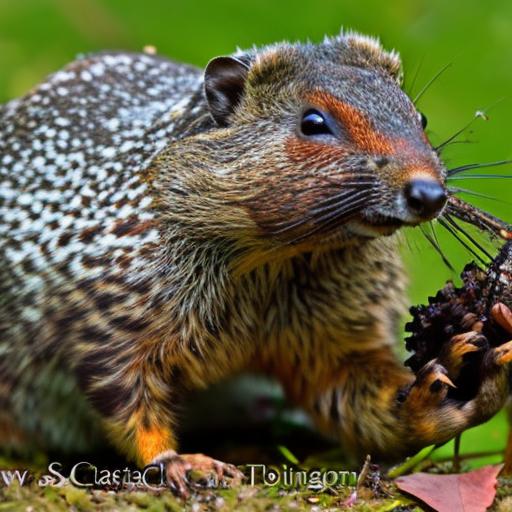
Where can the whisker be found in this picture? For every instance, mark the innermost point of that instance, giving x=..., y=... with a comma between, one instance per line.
x=334, y=209
x=416, y=74
x=365, y=185
x=352, y=197
x=333, y=219
x=290, y=224
x=465, y=141
x=461, y=241
x=451, y=139
x=334, y=203
x=467, y=167
x=479, y=114
x=459, y=190
x=480, y=177
x=467, y=235
x=434, y=232
x=432, y=239
x=434, y=235
x=430, y=82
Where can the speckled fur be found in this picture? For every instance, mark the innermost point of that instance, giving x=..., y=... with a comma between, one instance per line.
x=139, y=254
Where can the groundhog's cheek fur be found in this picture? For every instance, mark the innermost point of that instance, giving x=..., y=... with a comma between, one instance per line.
x=310, y=173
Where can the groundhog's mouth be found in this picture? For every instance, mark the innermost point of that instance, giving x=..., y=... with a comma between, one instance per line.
x=384, y=221
x=377, y=225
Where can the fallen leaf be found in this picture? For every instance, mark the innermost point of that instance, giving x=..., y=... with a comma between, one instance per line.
x=466, y=492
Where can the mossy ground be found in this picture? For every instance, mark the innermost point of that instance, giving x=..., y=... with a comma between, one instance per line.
x=251, y=499
x=244, y=498
x=376, y=492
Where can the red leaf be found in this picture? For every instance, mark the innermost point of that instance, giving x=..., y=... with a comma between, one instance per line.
x=467, y=492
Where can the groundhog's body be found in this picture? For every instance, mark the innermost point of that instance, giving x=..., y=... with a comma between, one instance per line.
x=134, y=263
x=72, y=153
x=89, y=267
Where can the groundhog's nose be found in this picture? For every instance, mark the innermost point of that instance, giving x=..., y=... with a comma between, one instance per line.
x=425, y=198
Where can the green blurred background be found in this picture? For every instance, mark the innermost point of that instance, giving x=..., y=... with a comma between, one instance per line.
x=39, y=36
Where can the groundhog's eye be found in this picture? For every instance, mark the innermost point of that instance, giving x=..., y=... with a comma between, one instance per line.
x=315, y=122
x=423, y=120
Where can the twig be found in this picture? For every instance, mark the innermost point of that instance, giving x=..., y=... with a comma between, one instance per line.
x=364, y=472
x=456, y=454
x=410, y=463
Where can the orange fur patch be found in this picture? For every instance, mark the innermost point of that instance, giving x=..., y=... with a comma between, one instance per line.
x=152, y=442
x=357, y=125
x=364, y=139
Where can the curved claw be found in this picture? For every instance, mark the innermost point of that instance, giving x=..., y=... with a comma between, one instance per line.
x=503, y=354
x=444, y=378
x=433, y=371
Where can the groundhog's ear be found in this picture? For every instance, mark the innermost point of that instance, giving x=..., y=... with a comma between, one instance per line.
x=224, y=83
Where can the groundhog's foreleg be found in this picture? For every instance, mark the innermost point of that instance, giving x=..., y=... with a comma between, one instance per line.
x=133, y=399
x=375, y=405
x=137, y=401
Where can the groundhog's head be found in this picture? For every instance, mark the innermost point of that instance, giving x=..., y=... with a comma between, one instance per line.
x=320, y=142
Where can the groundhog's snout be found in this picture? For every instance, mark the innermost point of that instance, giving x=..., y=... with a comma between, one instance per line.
x=425, y=198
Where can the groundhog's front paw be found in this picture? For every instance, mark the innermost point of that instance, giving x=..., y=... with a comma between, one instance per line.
x=433, y=404
x=196, y=471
